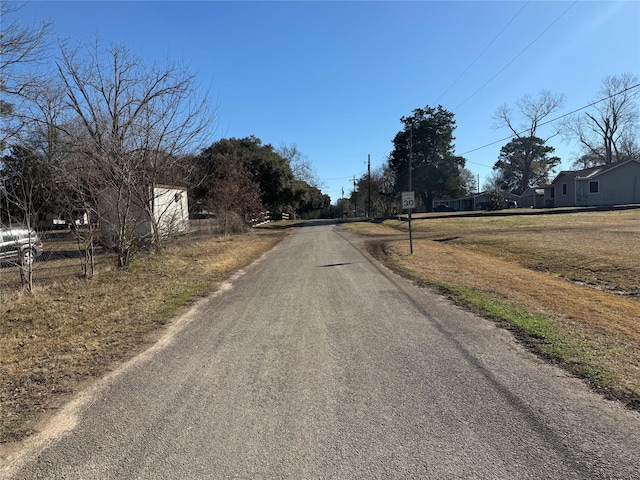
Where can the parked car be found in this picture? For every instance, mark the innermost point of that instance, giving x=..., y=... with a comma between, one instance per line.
x=19, y=243
x=444, y=208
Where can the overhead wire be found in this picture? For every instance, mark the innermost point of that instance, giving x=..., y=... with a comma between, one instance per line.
x=503, y=69
x=632, y=87
x=483, y=51
x=529, y=45
x=552, y=120
x=518, y=55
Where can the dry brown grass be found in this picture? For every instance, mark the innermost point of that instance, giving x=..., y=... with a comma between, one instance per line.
x=581, y=271
x=72, y=330
x=601, y=249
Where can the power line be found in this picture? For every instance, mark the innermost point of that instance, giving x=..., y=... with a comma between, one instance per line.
x=632, y=87
x=552, y=120
x=335, y=178
x=518, y=55
x=340, y=178
x=483, y=51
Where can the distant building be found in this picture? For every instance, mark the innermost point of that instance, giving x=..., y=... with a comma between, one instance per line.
x=532, y=197
x=475, y=202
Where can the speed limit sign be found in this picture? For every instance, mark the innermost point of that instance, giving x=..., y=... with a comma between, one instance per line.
x=408, y=200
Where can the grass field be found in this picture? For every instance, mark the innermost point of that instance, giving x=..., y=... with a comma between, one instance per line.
x=567, y=284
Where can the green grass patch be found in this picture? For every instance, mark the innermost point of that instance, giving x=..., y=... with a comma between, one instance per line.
x=535, y=329
x=540, y=334
x=537, y=332
x=186, y=294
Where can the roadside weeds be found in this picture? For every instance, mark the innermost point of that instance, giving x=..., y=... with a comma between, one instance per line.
x=63, y=335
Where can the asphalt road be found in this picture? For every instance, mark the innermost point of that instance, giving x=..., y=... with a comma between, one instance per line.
x=318, y=363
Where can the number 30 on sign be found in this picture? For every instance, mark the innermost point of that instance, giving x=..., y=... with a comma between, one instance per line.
x=408, y=200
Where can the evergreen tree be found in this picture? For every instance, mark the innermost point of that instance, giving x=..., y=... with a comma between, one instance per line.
x=428, y=138
x=524, y=162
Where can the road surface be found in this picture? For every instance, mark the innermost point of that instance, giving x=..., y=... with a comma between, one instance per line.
x=318, y=363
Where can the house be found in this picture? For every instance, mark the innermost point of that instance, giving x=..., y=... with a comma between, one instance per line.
x=458, y=204
x=532, y=197
x=53, y=221
x=475, y=202
x=613, y=184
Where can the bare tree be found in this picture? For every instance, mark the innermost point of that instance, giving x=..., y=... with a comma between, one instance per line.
x=388, y=199
x=529, y=114
x=607, y=131
x=26, y=186
x=300, y=164
x=495, y=197
x=80, y=202
x=135, y=121
x=235, y=195
x=468, y=181
x=223, y=186
x=629, y=146
x=525, y=122
x=493, y=183
x=19, y=45
x=79, y=187
x=76, y=181
x=379, y=188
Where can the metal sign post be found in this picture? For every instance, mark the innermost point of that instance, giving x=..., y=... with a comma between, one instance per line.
x=411, y=198
x=408, y=203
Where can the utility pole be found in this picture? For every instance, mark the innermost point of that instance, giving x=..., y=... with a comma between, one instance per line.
x=355, y=199
x=369, y=185
x=410, y=184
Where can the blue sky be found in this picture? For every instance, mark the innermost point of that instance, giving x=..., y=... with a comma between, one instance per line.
x=334, y=78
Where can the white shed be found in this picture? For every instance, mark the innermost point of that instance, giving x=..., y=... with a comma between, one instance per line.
x=170, y=209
